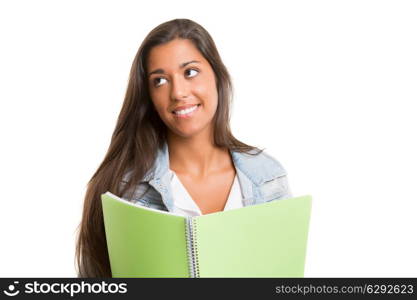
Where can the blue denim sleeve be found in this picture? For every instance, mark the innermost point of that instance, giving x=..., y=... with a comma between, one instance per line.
x=284, y=186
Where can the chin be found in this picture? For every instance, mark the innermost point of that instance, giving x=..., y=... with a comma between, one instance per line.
x=187, y=133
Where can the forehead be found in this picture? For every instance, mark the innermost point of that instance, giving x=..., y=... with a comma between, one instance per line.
x=173, y=53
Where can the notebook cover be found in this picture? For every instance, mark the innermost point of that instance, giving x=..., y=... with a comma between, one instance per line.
x=263, y=240
x=153, y=243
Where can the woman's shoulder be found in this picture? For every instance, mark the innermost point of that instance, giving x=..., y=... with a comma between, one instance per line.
x=262, y=166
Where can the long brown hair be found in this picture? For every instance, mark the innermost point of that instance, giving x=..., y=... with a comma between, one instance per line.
x=139, y=132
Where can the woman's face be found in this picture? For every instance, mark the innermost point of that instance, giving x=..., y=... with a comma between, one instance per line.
x=182, y=86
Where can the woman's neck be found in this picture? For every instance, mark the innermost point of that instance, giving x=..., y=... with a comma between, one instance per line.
x=196, y=156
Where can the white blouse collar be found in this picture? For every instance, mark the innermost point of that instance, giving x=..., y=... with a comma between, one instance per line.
x=184, y=204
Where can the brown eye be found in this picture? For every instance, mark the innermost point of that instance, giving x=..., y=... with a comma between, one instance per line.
x=155, y=81
x=189, y=70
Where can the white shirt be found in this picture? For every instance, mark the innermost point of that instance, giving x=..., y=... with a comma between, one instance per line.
x=185, y=205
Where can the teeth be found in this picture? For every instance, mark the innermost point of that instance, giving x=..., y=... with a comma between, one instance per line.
x=186, y=111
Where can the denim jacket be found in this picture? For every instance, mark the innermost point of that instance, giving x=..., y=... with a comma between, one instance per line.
x=261, y=177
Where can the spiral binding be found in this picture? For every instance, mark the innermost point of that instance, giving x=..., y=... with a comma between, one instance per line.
x=188, y=238
x=192, y=254
x=195, y=248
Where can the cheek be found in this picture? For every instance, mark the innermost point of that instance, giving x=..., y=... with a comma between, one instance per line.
x=159, y=106
x=207, y=91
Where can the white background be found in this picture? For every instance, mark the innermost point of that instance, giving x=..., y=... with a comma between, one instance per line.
x=327, y=87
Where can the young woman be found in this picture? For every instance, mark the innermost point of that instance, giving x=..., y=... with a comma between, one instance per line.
x=172, y=148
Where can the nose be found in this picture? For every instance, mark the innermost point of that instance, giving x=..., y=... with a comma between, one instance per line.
x=179, y=88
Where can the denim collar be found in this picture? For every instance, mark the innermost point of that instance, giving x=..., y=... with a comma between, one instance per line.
x=251, y=170
x=257, y=168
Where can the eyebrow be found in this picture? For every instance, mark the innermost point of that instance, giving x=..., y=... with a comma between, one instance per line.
x=161, y=71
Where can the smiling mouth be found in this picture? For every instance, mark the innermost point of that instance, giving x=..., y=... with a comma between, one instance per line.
x=186, y=112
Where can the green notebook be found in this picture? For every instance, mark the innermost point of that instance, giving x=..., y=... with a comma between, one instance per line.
x=262, y=240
